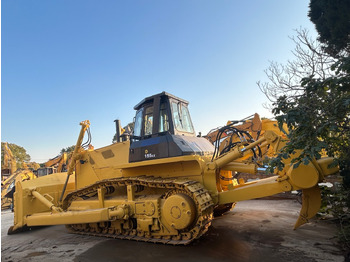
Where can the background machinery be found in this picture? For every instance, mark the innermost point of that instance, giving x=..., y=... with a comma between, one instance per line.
x=14, y=175
x=31, y=166
x=8, y=186
x=10, y=163
x=162, y=185
x=31, y=170
x=57, y=164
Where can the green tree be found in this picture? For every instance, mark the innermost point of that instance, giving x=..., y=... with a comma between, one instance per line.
x=127, y=129
x=19, y=153
x=314, y=101
x=67, y=150
x=332, y=21
x=318, y=115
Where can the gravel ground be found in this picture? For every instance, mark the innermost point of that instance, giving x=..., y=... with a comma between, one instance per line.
x=255, y=230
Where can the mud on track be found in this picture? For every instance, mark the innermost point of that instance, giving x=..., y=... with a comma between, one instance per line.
x=256, y=230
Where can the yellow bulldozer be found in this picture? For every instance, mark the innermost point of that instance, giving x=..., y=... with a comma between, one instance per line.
x=159, y=184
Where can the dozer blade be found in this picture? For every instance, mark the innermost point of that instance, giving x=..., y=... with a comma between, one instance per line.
x=311, y=198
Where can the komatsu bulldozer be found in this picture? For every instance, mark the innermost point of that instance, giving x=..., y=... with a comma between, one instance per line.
x=160, y=184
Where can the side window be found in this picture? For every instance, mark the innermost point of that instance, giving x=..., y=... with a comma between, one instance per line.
x=186, y=120
x=148, y=120
x=182, y=120
x=163, y=118
x=138, y=123
x=176, y=115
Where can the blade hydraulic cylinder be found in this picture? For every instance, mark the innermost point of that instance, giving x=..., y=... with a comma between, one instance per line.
x=84, y=126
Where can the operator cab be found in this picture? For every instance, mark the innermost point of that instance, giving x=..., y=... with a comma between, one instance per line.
x=163, y=128
x=44, y=171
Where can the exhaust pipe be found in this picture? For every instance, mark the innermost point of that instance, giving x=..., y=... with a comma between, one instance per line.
x=118, y=130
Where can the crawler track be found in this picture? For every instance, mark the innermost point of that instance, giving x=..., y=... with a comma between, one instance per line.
x=195, y=190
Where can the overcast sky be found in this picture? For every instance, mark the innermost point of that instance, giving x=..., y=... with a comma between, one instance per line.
x=67, y=61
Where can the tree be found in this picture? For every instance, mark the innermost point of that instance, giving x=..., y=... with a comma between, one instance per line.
x=319, y=118
x=332, y=21
x=312, y=96
x=285, y=80
x=318, y=114
x=306, y=95
x=67, y=150
x=128, y=129
x=19, y=153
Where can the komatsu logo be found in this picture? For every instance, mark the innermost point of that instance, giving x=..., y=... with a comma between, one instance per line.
x=149, y=155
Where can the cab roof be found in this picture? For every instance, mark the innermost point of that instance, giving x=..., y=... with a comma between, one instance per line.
x=163, y=94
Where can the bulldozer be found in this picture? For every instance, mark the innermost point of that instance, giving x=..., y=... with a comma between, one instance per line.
x=159, y=184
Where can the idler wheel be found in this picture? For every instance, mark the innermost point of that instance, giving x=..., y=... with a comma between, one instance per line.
x=179, y=211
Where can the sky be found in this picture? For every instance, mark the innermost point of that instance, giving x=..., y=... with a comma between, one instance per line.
x=66, y=61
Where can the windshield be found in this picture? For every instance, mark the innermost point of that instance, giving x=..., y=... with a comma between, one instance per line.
x=163, y=118
x=148, y=121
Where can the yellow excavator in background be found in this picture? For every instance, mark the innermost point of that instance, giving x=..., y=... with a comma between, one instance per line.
x=30, y=171
x=8, y=186
x=162, y=185
x=10, y=163
x=16, y=175
x=57, y=164
x=30, y=166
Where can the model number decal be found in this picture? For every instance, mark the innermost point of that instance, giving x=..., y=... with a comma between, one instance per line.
x=149, y=155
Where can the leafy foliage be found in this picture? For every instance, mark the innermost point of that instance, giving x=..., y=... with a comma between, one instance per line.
x=318, y=114
x=336, y=204
x=128, y=129
x=332, y=21
x=319, y=119
x=67, y=150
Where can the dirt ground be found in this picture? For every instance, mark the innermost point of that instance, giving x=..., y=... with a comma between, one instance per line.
x=255, y=230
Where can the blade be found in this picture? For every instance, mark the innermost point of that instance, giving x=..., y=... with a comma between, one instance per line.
x=311, y=205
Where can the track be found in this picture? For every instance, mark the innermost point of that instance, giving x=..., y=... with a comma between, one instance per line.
x=193, y=189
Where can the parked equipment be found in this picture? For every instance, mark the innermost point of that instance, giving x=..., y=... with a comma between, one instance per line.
x=160, y=186
x=10, y=163
x=57, y=164
x=8, y=186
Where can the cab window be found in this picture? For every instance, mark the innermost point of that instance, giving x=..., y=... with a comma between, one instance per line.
x=181, y=116
x=138, y=123
x=148, y=121
x=163, y=118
